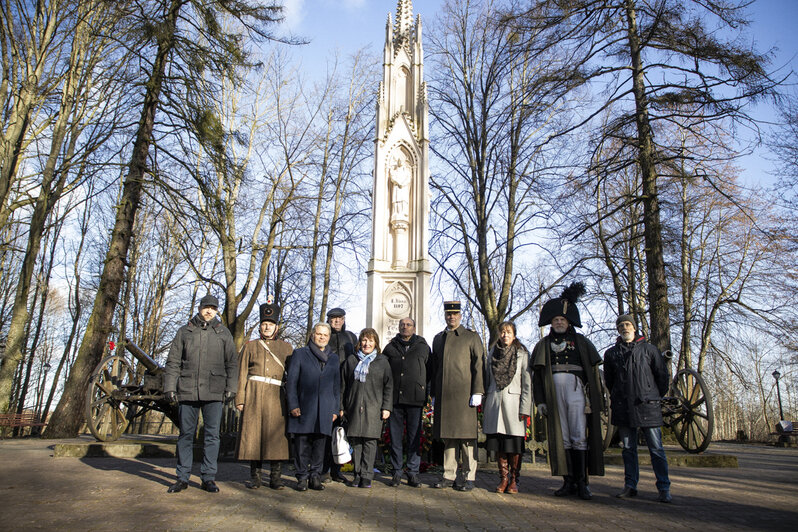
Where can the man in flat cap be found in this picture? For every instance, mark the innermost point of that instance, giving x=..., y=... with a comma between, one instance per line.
x=637, y=377
x=567, y=390
x=201, y=372
x=342, y=343
x=457, y=389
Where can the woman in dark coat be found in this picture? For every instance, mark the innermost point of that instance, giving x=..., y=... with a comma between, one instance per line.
x=368, y=399
x=313, y=393
x=261, y=400
x=507, y=405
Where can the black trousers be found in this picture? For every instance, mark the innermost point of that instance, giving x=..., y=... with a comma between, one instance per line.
x=409, y=417
x=309, y=454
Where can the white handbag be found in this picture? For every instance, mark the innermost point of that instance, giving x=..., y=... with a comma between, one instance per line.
x=340, y=447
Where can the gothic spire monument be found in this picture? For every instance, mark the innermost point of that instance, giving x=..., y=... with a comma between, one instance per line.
x=399, y=268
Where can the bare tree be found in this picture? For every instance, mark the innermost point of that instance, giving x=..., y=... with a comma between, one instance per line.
x=493, y=101
x=649, y=57
x=184, y=31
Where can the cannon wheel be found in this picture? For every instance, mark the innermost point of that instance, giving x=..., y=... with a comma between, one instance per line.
x=607, y=428
x=107, y=416
x=693, y=420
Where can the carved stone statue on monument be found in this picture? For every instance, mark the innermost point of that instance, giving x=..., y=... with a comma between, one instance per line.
x=400, y=174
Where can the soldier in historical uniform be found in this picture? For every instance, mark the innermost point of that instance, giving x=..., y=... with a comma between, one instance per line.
x=261, y=399
x=567, y=389
x=457, y=387
x=201, y=371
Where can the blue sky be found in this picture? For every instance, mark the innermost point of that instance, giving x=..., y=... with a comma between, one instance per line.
x=348, y=25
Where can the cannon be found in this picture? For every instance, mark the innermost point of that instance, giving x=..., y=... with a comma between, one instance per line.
x=686, y=410
x=116, y=394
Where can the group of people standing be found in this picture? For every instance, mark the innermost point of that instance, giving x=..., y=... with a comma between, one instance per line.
x=295, y=398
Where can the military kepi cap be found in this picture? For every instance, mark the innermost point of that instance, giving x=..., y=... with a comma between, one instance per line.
x=269, y=311
x=336, y=312
x=451, y=306
x=209, y=301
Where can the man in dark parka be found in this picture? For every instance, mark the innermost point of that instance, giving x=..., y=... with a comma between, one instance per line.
x=343, y=343
x=637, y=378
x=457, y=387
x=201, y=371
x=567, y=390
x=409, y=356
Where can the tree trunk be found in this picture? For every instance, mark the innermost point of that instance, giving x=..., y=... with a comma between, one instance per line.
x=68, y=415
x=652, y=229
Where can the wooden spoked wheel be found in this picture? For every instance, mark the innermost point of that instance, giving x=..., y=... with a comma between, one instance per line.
x=692, y=420
x=107, y=414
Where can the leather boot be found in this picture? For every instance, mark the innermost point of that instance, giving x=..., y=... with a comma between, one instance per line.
x=515, y=472
x=580, y=471
x=255, y=472
x=276, y=475
x=568, y=486
x=503, y=471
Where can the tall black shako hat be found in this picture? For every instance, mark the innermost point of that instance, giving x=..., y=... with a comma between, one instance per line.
x=565, y=305
x=269, y=311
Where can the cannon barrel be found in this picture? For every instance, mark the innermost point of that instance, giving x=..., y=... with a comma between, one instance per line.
x=151, y=365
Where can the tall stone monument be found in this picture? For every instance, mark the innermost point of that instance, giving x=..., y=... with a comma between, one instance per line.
x=399, y=269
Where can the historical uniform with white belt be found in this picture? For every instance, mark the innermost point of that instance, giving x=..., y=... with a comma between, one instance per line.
x=261, y=399
x=567, y=389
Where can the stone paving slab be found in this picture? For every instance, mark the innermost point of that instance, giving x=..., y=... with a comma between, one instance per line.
x=40, y=492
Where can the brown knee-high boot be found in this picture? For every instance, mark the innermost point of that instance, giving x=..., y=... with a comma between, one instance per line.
x=254, y=474
x=503, y=472
x=515, y=472
x=276, y=475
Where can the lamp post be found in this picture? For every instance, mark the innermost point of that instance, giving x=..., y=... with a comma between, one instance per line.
x=776, y=375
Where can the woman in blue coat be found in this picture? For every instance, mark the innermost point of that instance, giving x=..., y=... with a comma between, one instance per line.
x=313, y=394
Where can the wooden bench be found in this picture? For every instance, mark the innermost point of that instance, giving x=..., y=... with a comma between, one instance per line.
x=12, y=421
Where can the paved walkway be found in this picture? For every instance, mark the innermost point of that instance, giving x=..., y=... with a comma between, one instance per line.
x=39, y=492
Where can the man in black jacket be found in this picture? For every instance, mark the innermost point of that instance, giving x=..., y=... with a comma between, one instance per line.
x=343, y=343
x=201, y=372
x=636, y=375
x=408, y=355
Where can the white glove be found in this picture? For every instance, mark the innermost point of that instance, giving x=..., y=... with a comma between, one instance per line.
x=476, y=400
x=542, y=409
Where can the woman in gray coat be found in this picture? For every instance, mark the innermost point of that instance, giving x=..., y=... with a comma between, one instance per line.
x=368, y=399
x=507, y=405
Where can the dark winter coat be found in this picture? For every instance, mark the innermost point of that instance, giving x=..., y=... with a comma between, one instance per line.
x=263, y=434
x=365, y=401
x=409, y=369
x=203, y=363
x=343, y=343
x=457, y=361
x=637, y=378
x=315, y=388
x=543, y=391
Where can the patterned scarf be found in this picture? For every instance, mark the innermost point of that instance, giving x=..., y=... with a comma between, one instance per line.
x=362, y=369
x=503, y=362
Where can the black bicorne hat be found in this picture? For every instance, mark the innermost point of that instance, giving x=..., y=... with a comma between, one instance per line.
x=565, y=306
x=269, y=311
